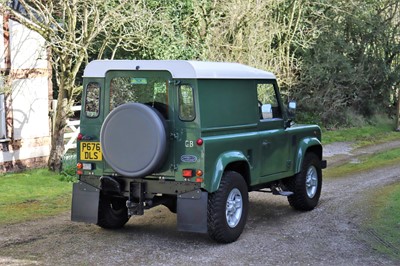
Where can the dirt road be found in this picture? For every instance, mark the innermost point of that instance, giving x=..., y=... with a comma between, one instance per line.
x=275, y=234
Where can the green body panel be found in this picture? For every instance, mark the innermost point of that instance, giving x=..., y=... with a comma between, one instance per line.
x=91, y=126
x=226, y=103
x=304, y=145
x=280, y=158
x=221, y=163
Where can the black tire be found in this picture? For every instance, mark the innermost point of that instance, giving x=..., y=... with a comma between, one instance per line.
x=225, y=227
x=113, y=213
x=306, y=185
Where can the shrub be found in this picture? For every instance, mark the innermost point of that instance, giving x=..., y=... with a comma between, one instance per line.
x=68, y=172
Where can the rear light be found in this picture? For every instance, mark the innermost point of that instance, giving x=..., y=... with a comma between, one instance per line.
x=187, y=173
x=199, y=180
x=83, y=166
x=83, y=137
x=199, y=142
x=79, y=166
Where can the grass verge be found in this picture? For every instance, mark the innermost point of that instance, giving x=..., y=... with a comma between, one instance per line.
x=362, y=136
x=365, y=163
x=385, y=207
x=385, y=203
x=33, y=194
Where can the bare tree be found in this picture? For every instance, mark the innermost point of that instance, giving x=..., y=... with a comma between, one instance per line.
x=264, y=34
x=72, y=29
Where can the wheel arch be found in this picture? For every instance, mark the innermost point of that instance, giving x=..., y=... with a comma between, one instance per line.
x=307, y=145
x=232, y=161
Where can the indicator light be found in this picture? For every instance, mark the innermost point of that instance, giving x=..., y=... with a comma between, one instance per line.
x=199, y=173
x=79, y=165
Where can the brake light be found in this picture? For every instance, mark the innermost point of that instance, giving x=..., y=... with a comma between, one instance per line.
x=187, y=173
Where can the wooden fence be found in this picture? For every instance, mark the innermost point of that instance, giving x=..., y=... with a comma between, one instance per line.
x=72, y=130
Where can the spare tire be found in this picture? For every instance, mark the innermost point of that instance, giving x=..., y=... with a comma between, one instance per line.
x=133, y=139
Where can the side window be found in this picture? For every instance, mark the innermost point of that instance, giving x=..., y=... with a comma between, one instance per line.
x=267, y=101
x=92, y=101
x=186, y=103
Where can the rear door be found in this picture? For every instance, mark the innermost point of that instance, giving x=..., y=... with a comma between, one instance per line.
x=151, y=88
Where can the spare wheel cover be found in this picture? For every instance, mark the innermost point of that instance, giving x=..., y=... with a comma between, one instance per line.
x=134, y=140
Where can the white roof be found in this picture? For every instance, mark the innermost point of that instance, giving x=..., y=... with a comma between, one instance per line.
x=180, y=69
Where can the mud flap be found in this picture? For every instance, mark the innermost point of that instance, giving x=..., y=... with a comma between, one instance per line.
x=85, y=203
x=192, y=211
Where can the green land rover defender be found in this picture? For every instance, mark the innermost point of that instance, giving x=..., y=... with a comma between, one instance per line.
x=193, y=136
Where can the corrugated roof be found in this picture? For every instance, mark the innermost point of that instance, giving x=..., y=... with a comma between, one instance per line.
x=180, y=69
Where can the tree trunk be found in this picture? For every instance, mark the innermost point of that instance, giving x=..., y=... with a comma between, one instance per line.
x=57, y=140
x=398, y=111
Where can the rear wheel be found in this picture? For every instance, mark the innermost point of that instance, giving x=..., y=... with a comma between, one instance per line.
x=227, y=208
x=306, y=185
x=113, y=213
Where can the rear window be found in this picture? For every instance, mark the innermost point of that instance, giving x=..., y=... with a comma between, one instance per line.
x=186, y=103
x=150, y=91
x=92, y=101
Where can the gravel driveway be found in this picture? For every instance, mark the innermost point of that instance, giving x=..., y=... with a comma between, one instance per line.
x=275, y=234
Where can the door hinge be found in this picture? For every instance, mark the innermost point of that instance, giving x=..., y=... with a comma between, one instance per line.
x=173, y=136
x=173, y=167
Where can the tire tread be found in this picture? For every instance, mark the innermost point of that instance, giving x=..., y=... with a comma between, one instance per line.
x=218, y=228
x=300, y=200
x=109, y=219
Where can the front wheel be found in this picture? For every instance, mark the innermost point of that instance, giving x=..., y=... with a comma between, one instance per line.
x=227, y=208
x=113, y=213
x=306, y=185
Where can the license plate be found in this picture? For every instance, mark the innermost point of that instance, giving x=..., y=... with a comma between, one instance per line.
x=91, y=151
